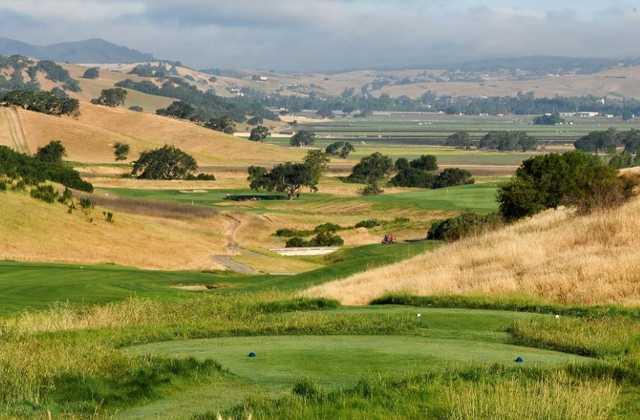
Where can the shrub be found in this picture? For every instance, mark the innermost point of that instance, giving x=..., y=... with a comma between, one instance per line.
x=452, y=177
x=91, y=73
x=30, y=170
x=108, y=216
x=370, y=223
x=66, y=196
x=3, y=186
x=327, y=227
x=296, y=242
x=136, y=108
x=86, y=203
x=326, y=239
x=45, y=193
x=462, y=226
x=202, y=177
x=286, y=233
x=52, y=152
x=573, y=178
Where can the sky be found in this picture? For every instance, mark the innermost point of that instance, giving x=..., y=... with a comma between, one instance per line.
x=322, y=35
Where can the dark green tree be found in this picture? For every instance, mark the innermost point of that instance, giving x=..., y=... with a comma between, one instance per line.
x=111, y=97
x=167, y=162
x=91, y=73
x=303, y=138
x=599, y=141
x=340, y=148
x=259, y=133
x=573, y=178
x=549, y=119
x=373, y=171
x=425, y=163
x=317, y=162
x=288, y=178
x=460, y=139
x=178, y=109
x=52, y=152
x=121, y=151
x=224, y=124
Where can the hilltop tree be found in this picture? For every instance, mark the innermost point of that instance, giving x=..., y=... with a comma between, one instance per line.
x=303, y=138
x=460, y=139
x=167, y=162
x=259, y=133
x=52, y=152
x=121, y=151
x=111, y=97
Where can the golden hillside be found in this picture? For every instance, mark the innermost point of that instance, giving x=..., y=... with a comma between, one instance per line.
x=555, y=256
x=90, y=137
x=33, y=230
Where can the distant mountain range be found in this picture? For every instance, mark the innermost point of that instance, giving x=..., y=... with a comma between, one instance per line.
x=89, y=51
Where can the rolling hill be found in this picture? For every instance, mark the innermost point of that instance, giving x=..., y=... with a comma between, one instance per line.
x=90, y=137
x=554, y=256
x=88, y=51
x=32, y=230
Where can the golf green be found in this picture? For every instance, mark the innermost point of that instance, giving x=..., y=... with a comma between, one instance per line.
x=343, y=360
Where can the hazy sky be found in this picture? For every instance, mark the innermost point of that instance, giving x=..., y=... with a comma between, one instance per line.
x=333, y=34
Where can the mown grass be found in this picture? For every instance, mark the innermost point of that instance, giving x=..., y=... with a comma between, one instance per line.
x=26, y=286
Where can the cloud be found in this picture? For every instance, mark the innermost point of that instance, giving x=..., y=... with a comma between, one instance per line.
x=335, y=34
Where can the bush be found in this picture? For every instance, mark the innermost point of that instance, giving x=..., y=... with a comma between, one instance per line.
x=52, y=152
x=452, y=177
x=296, y=242
x=573, y=178
x=136, y=108
x=45, y=193
x=91, y=73
x=202, y=177
x=467, y=224
x=371, y=223
x=32, y=171
x=326, y=239
x=3, y=186
x=286, y=233
x=86, y=203
x=327, y=228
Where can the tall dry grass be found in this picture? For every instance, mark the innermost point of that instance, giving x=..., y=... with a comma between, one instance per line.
x=556, y=397
x=556, y=255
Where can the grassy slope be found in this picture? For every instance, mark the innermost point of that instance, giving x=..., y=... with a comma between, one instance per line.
x=32, y=230
x=37, y=286
x=90, y=137
x=554, y=256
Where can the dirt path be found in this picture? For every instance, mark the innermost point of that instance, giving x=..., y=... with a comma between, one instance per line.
x=234, y=249
x=16, y=131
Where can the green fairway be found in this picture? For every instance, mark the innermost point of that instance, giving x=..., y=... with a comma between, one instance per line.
x=444, y=338
x=480, y=198
x=26, y=286
x=335, y=361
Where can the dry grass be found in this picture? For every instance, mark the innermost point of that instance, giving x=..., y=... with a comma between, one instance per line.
x=556, y=397
x=556, y=256
x=90, y=137
x=32, y=230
